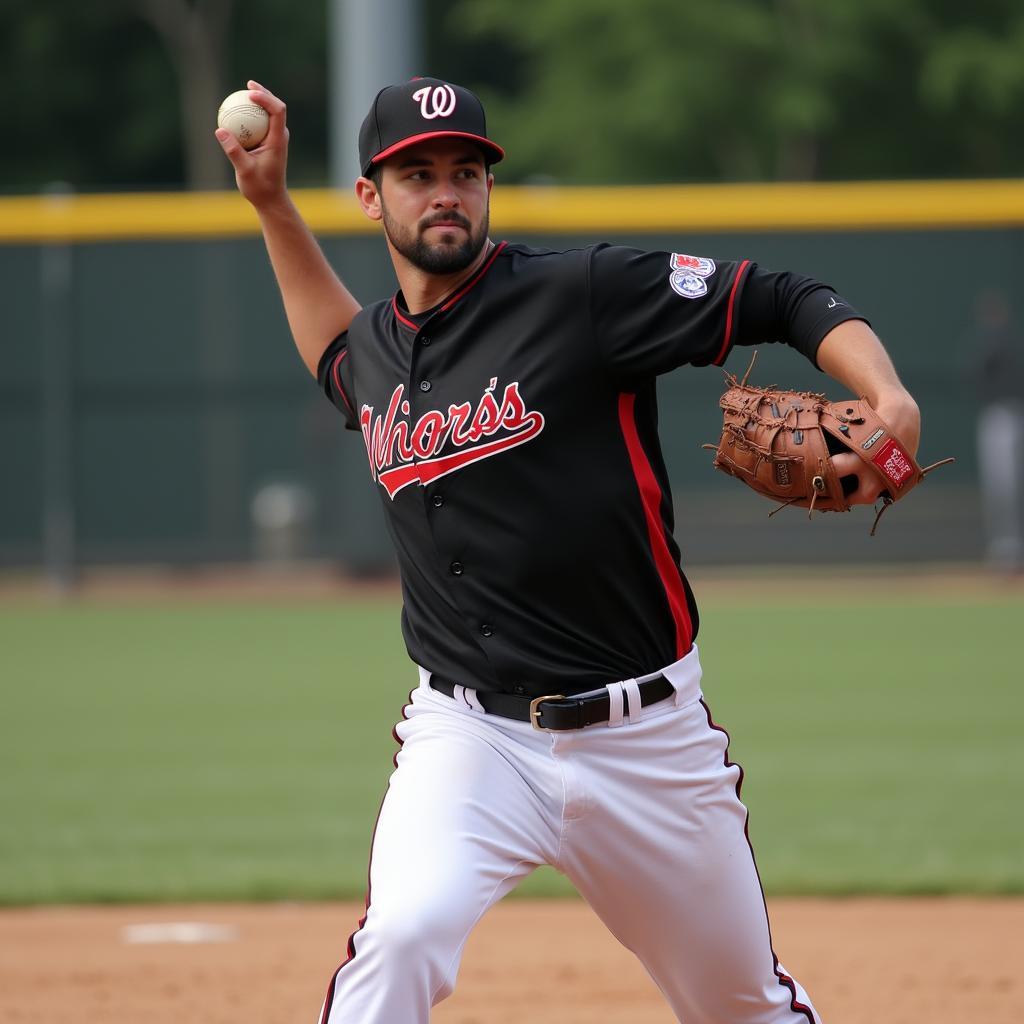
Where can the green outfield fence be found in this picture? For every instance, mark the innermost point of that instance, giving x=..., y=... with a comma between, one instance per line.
x=153, y=409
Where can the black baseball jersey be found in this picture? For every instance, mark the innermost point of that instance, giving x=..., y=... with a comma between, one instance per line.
x=511, y=434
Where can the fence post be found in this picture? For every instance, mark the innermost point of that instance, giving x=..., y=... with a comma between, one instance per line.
x=57, y=357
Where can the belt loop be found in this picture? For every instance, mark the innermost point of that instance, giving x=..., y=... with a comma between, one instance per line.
x=681, y=694
x=615, y=701
x=684, y=675
x=632, y=689
x=466, y=696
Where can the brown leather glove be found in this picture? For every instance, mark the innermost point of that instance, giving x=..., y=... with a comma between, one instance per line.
x=781, y=444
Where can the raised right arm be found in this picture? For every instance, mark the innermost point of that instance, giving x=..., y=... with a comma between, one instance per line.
x=318, y=306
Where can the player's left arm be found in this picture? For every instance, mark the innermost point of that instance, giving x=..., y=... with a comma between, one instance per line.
x=654, y=311
x=809, y=316
x=852, y=354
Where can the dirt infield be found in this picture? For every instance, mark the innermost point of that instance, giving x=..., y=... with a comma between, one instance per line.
x=864, y=961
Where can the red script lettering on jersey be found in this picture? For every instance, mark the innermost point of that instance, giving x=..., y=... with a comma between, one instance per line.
x=401, y=453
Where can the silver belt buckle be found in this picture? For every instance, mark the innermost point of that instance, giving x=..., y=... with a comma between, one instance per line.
x=535, y=711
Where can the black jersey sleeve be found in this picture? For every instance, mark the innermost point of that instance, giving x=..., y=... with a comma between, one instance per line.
x=654, y=311
x=790, y=307
x=334, y=376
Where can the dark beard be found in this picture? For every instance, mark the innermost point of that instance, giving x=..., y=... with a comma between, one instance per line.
x=437, y=259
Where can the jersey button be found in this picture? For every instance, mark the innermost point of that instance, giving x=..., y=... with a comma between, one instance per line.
x=424, y=341
x=424, y=385
x=437, y=501
x=456, y=568
x=486, y=630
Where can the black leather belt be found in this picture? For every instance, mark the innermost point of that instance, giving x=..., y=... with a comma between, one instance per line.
x=556, y=712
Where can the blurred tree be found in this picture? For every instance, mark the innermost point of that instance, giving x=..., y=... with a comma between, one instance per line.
x=972, y=79
x=662, y=90
x=657, y=90
x=123, y=93
x=194, y=33
x=100, y=101
x=94, y=98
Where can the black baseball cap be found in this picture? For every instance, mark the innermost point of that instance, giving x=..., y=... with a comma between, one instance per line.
x=425, y=108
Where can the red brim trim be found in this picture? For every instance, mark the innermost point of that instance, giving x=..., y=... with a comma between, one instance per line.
x=495, y=151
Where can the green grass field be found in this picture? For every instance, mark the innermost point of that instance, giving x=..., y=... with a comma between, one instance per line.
x=228, y=750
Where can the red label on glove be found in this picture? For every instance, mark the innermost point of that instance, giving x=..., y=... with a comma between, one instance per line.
x=893, y=463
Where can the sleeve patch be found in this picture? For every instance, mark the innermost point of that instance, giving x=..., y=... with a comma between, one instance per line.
x=688, y=274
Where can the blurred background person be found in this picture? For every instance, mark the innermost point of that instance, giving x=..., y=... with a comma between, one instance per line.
x=997, y=346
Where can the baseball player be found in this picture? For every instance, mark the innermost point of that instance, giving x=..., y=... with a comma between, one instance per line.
x=506, y=399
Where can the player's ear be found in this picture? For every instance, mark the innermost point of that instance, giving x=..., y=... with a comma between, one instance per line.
x=368, y=195
x=490, y=182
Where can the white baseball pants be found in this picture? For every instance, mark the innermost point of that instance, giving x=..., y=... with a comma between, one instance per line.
x=643, y=815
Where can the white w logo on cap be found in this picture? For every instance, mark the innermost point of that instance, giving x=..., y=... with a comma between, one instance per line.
x=435, y=102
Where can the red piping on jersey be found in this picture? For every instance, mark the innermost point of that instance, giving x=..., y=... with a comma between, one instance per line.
x=727, y=340
x=651, y=496
x=398, y=313
x=351, y=949
x=475, y=279
x=471, y=283
x=337, y=380
x=784, y=979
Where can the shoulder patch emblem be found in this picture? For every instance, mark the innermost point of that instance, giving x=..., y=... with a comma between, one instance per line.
x=688, y=274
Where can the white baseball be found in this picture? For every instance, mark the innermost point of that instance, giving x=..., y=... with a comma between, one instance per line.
x=247, y=121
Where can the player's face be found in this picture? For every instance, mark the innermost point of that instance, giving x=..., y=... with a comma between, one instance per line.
x=435, y=204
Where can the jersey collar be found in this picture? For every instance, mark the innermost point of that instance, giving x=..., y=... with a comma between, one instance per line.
x=405, y=318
